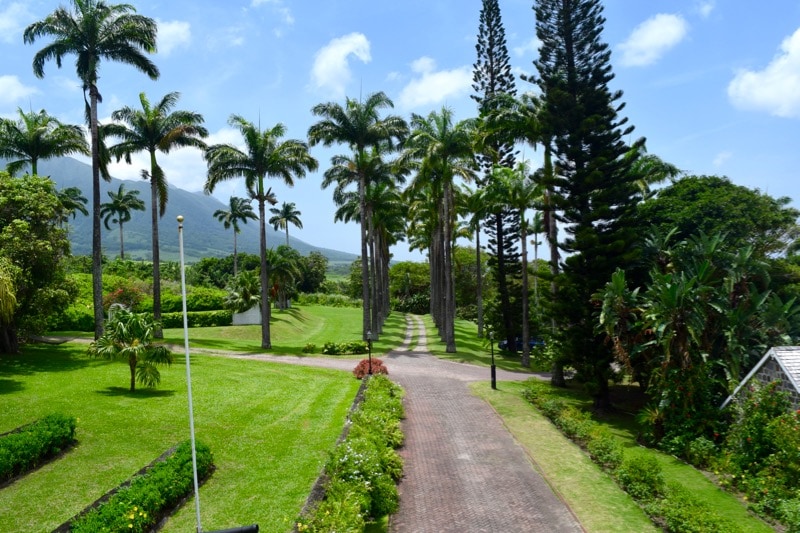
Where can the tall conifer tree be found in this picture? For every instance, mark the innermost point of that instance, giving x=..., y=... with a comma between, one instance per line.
x=492, y=76
x=597, y=194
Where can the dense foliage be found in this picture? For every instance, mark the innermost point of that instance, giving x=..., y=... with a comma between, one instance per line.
x=32, y=250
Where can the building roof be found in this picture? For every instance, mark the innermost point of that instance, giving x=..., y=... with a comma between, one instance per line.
x=787, y=357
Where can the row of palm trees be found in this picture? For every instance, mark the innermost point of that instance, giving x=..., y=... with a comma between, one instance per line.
x=383, y=151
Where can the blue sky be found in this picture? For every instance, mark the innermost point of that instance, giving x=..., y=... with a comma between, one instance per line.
x=714, y=86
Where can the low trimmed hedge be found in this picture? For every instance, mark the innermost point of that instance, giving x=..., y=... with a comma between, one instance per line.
x=364, y=468
x=145, y=499
x=198, y=319
x=342, y=348
x=29, y=446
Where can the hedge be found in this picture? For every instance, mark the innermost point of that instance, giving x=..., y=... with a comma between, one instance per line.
x=140, y=503
x=29, y=446
x=197, y=319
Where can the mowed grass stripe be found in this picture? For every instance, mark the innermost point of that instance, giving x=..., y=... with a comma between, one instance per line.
x=269, y=426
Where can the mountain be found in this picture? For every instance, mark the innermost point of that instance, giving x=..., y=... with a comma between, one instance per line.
x=203, y=235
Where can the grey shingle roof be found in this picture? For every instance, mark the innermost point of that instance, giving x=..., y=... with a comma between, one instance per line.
x=788, y=357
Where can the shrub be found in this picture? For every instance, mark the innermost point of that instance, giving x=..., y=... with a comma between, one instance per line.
x=148, y=497
x=701, y=452
x=604, y=448
x=310, y=348
x=789, y=513
x=29, y=446
x=575, y=423
x=197, y=319
x=364, y=366
x=76, y=317
x=681, y=512
x=640, y=475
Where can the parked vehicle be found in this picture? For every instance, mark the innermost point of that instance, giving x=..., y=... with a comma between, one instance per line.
x=532, y=342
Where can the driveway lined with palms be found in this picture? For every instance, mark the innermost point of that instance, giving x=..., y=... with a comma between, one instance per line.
x=464, y=472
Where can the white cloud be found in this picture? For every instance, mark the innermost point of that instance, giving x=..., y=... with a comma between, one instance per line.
x=331, y=69
x=12, y=90
x=172, y=35
x=529, y=48
x=652, y=39
x=776, y=89
x=431, y=87
x=722, y=158
x=705, y=8
x=11, y=21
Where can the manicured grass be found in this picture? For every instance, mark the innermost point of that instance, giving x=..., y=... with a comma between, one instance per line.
x=471, y=349
x=599, y=504
x=674, y=470
x=269, y=426
x=292, y=329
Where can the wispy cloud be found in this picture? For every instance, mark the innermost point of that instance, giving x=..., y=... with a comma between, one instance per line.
x=722, y=158
x=173, y=34
x=331, y=69
x=529, y=48
x=705, y=7
x=651, y=39
x=776, y=88
x=430, y=86
x=11, y=21
x=12, y=90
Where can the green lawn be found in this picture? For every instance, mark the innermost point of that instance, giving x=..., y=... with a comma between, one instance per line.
x=269, y=426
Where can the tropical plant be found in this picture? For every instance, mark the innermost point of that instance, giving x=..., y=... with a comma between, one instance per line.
x=94, y=31
x=284, y=215
x=118, y=211
x=129, y=336
x=239, y=210
x=359, y=125
x=265, y=156
x=283, y=264
x=152, y=129
x=244, y=292
x=38, y=136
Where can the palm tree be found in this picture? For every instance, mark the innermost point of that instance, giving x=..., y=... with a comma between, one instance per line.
x=284, y=269
x=442, y=150
x=38, y=136
x=94, y=30
x=118, y=210
x=129, y=336
x=359, y=125
x=473, y=203
x=265, y=156
x=73, y=201
x=285, y=215
x=151, y=129
x=239, y=210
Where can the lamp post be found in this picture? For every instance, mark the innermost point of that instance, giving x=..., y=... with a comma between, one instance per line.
x=369, y=350
x=494, y=368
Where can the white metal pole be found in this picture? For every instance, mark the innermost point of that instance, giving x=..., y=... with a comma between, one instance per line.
x=189, y=374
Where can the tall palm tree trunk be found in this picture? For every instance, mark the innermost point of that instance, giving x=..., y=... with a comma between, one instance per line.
x=235, y=256
x=97, y=252
x=373, y=276
x=158, y=333
x=266, y=341
x=121, y=242
x=450, y=304
x=479, y=280
x=526, y=333
x=365, y=294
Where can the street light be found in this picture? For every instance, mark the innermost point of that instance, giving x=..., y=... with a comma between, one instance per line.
x=494, y=368
x=369, y=349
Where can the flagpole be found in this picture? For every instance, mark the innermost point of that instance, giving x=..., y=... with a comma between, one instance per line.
x=189, y=375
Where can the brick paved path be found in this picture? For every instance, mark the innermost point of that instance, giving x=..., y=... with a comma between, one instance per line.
x=463, y=470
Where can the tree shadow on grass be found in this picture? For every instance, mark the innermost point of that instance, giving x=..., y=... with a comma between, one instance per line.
x=280, y=315
x=139, y=394
x=9, y=386
x=44, y=358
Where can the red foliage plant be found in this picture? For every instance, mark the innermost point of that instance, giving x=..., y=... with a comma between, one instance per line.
x=362, y=368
